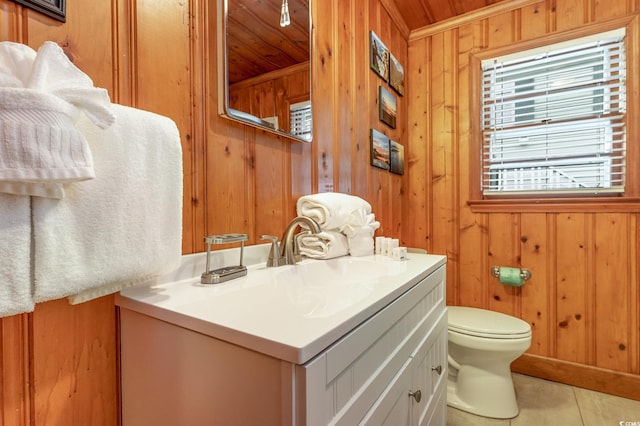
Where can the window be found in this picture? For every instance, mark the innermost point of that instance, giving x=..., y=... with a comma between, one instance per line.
x=553, y=119
x=301, y=120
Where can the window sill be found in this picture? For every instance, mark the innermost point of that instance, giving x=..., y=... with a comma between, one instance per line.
x=557, y=205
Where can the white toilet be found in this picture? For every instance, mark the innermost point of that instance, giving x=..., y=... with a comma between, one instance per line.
x=482, y=345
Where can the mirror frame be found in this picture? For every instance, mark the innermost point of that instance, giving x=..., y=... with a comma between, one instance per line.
x=223, y=79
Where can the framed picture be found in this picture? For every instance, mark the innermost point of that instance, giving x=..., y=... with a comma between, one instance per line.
x=55, y=9
x=379, y=150
x=396, y=75
x=387, y=107
x=396, y=164
x=378, y=56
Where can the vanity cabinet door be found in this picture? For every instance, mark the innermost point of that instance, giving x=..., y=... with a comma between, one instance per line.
x=414, y=396
x=429, y=373
x=394, y=405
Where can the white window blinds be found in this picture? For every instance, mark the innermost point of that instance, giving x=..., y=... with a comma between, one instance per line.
x=553, y=120
x=300, y=116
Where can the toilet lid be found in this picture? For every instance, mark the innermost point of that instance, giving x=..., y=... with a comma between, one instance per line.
x=485, y=323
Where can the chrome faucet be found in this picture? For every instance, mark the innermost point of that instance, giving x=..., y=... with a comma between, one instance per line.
x=289, y=250
x=275, y=259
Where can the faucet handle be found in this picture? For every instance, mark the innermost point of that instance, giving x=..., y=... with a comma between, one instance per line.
x=274, y=253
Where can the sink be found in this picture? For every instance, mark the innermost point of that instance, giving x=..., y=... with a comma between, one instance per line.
x=325, y=287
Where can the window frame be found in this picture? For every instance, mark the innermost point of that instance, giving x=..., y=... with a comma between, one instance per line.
x=629, y=201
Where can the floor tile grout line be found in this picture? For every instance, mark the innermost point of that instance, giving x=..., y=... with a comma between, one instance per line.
x=575, y=399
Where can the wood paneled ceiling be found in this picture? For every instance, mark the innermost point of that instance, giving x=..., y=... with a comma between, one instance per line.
x=257, y=44
x=420, y=13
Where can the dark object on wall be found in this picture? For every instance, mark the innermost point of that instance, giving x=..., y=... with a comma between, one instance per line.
x=379, y=150
x=397, y=158
x=388, y=107
x=53, y=8
x=396, y=75
x=378, y=56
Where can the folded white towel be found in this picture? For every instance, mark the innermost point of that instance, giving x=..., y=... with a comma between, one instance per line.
x=41, y=97
x=323, y=245
x=16, y=294
x=357, y=220
x=122, y=227
x=359, y=229
x=16, y=63
x=361, y=242
x=330, y=209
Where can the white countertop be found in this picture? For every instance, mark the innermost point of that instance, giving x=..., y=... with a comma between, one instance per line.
x=289, y=312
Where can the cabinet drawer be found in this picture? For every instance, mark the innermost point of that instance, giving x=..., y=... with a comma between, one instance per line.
x=344, y=382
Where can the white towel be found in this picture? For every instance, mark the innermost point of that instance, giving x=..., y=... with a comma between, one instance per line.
x=41, y=97
x=330, y=209
x=324, y=245
x=359, y=229
x=16, y=295
x=361, y=242
x=122, y=227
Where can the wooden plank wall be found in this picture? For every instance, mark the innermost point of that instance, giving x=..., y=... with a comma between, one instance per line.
x=583, y=299
x=272, y=95
x=58, y=365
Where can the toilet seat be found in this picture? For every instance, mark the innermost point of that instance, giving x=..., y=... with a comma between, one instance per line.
x=486, y=324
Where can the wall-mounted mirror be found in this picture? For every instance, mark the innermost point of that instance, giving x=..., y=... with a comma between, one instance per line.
x=265, y=68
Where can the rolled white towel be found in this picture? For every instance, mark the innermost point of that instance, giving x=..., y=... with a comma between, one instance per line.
x=324, y=245
x=331, y=209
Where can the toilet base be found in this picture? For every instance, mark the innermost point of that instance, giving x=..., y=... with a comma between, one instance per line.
x=486, y=393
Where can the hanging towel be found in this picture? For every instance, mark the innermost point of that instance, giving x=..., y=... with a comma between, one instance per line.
x=122, y=227
x=16, y=295
x=330, y=209
x=323, y=245
x=41, y=97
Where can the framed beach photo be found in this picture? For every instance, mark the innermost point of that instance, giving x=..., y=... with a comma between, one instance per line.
x=379, y=150
x=56, y=9
x=396, y=75
x=396, y=159
x=388, y=110
x=378, y=56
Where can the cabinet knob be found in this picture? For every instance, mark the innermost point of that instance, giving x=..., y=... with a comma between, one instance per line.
x=417, y=395
x=437, y=369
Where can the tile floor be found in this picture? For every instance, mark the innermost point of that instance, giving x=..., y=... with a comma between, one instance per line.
x=543, y=402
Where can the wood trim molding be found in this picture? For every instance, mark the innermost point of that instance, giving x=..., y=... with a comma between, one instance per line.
x=457, y=21
x=557, y=205
x=15, y=354
x=584, y=376
x=273, y=75
x=392, y=9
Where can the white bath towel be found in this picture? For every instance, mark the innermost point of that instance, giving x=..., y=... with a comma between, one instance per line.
x=359, y=229
x=361, y=242
x=42, y=95
x=122, y=227
x=323, y=245
x=16, y=294
x=330, y=209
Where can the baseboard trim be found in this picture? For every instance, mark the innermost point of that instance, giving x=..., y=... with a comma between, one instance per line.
x=584, y=376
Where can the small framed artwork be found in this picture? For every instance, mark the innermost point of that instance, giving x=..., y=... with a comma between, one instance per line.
x=396, y=75
x=56, y=9
x=378, y=56
x=387, y=107
x=396, y=163
x=379, y=150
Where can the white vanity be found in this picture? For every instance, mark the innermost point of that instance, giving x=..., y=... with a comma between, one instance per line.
x=345, y=341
